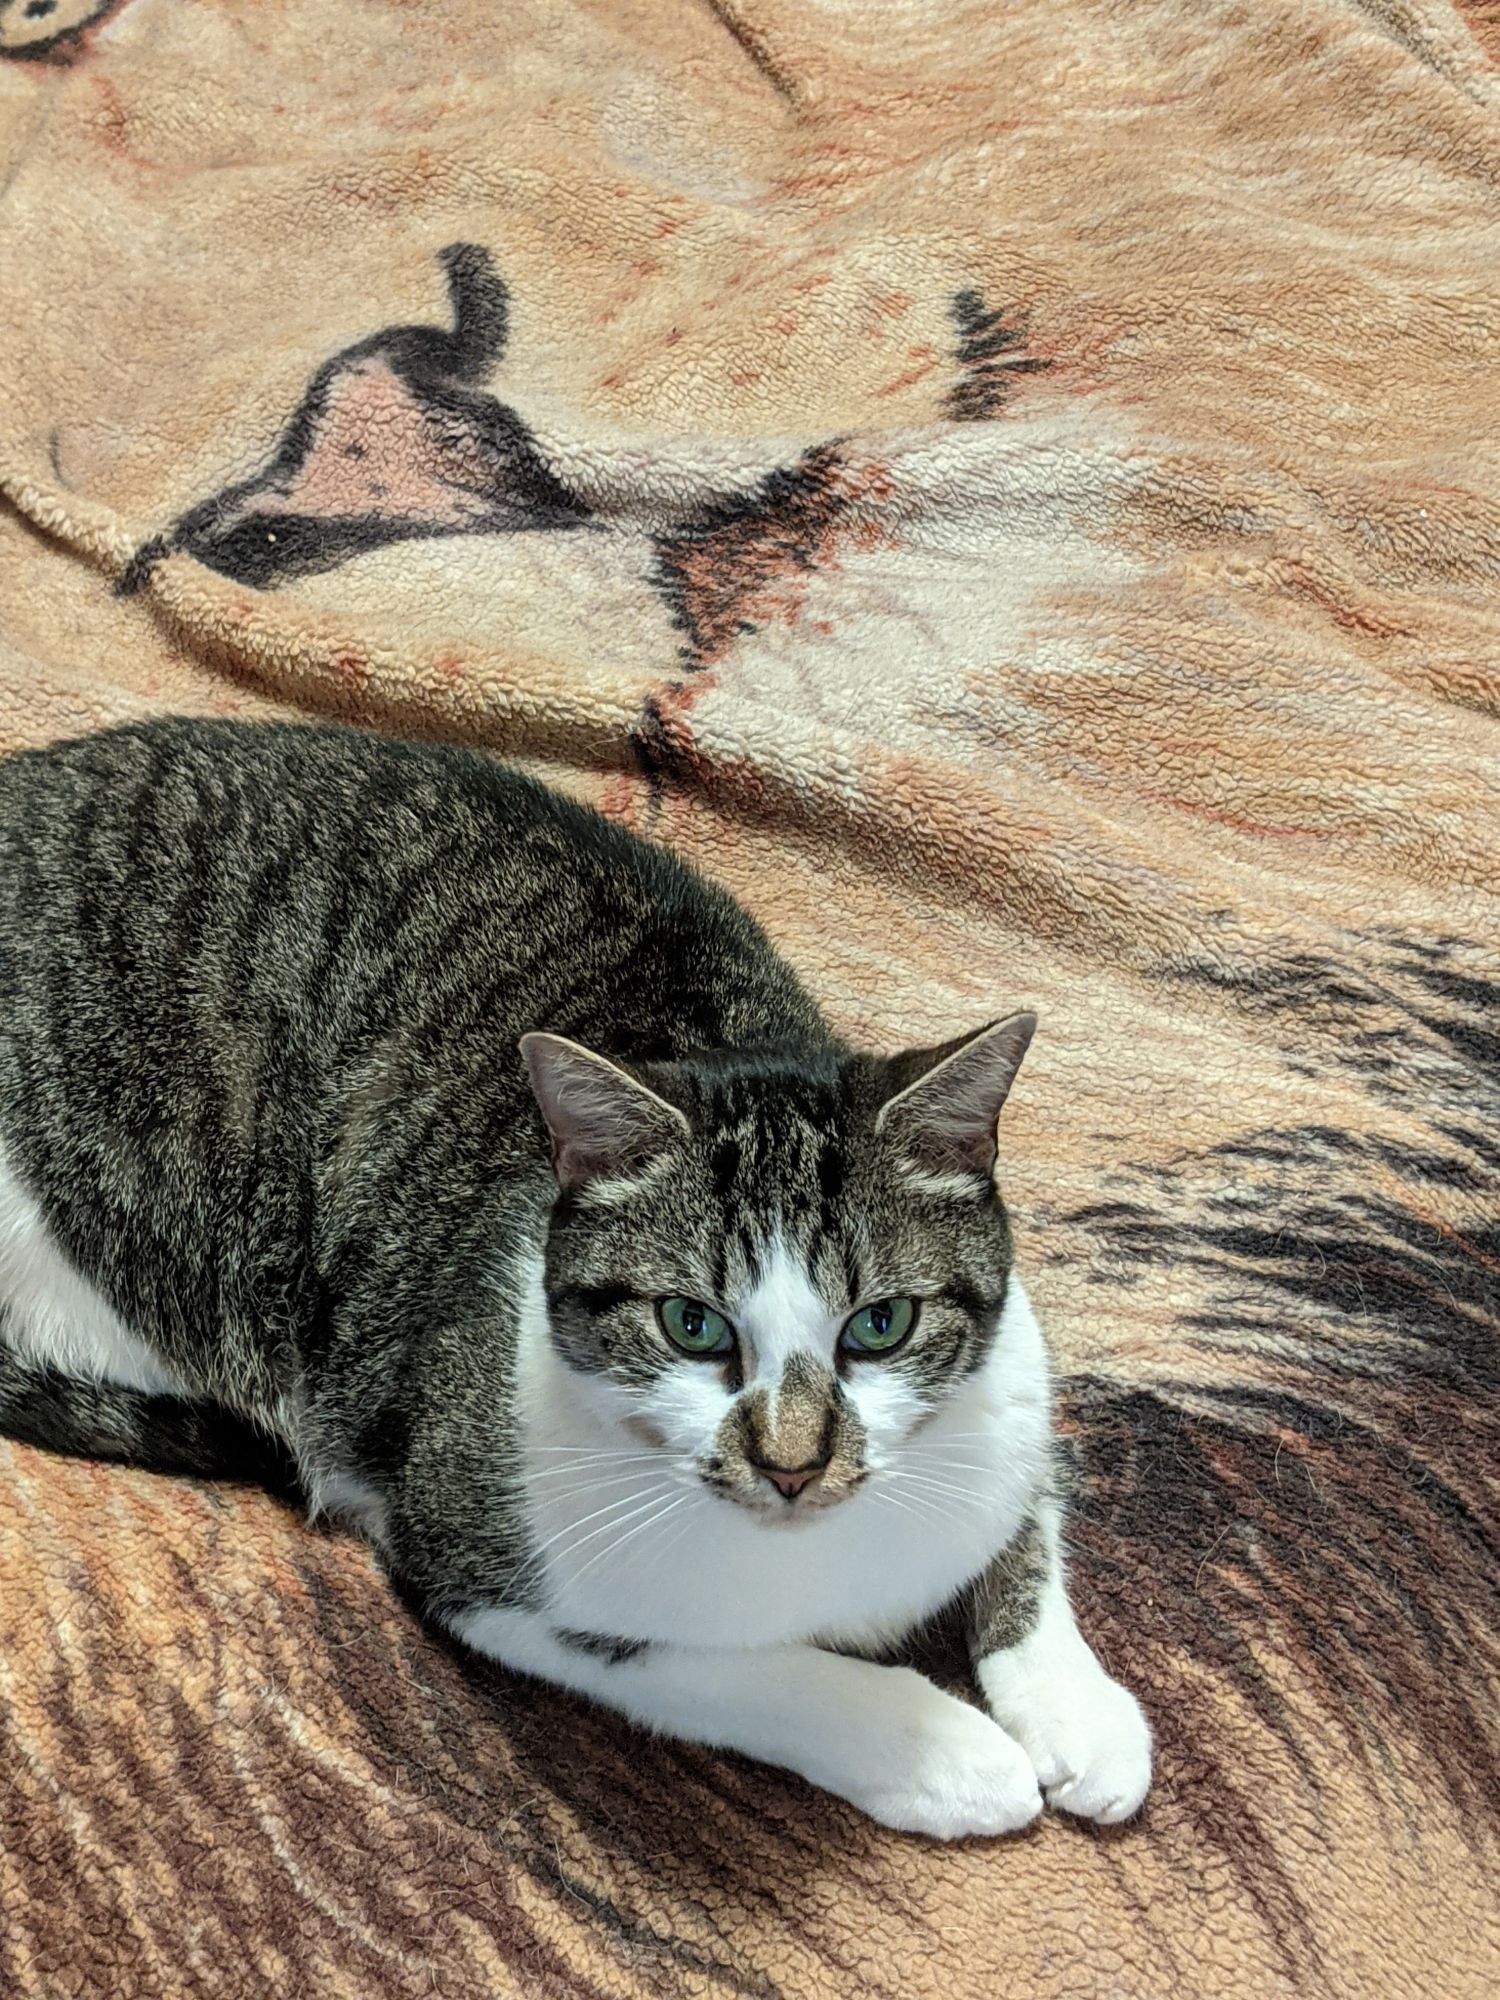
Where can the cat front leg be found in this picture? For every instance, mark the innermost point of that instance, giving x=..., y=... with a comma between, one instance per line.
x=1087, y=1739
x=884, y=1738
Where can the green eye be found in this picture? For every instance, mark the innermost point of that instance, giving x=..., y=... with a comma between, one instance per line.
x=878, y=1328
x=694, y=1327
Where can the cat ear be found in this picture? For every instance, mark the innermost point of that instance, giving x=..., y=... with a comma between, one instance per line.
x=603, y=1122
x=947, y=1100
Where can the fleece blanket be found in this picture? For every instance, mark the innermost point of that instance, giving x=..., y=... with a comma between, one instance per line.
x=1012, y=488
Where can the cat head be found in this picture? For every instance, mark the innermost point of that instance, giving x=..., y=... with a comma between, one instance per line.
x=776, y=1265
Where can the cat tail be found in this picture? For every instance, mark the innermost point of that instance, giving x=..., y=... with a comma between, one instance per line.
x=85, y=1419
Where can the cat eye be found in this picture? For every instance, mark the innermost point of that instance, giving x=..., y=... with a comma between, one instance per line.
x=878, y=1328
x=695, y=1327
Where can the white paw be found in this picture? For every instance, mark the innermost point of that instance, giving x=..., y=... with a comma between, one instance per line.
x=947, y=1771
x=1088, y=1742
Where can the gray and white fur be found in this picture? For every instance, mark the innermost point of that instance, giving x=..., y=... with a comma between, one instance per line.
x=376, y=1120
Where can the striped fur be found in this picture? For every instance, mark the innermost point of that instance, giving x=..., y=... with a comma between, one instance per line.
x=271, y=1002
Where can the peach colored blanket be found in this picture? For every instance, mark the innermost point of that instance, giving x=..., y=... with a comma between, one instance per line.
x=1013, y=488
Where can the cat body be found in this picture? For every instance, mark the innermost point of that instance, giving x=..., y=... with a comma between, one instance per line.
x=371, y=1105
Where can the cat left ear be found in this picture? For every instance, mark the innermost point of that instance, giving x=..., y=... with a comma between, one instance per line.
x=947, y=1101
x=603, y=1121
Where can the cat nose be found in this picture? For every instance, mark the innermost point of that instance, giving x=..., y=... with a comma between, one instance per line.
x=789, y=1480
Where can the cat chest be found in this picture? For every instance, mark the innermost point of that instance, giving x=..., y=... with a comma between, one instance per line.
x=860, y=1574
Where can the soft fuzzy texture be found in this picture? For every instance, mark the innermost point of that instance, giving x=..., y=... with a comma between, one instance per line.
x=1012, y=490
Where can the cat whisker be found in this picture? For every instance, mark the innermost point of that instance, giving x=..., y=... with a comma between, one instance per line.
x=684, y=1528
x=958, y=1437
x=612, y=1548
x=910, y=1503
x=663, y=1549
x=925, y=1457
x=906, y=1469
x=953, y=1487
x=941, y=1507
x=891, y=1500
x=540, y=1561
x=571, y=1527
x=635, y=1484
x=555, y=1472
x=583, y=1451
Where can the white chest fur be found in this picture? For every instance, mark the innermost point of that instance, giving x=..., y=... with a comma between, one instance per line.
x=635, y=1546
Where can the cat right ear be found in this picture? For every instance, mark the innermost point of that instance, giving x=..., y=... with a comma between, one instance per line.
x=946, y=1101
x=603, y=1121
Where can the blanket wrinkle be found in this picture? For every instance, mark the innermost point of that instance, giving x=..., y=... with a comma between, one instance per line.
x=1011, y=490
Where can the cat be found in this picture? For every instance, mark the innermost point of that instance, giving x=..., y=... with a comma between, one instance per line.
x=373, y=1103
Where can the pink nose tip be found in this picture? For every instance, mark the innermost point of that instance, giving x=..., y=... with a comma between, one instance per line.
x=789, y=1483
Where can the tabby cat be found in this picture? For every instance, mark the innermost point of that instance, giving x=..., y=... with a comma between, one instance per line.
x=370, y=1103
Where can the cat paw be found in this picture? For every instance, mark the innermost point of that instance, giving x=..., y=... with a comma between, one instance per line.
x=1088, y=1741
x=949, y=1772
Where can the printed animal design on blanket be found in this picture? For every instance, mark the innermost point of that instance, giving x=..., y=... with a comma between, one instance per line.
x=992, y=354
x=1328, y=1323
x=720, y=569
x=51, y=30
x=392, y=441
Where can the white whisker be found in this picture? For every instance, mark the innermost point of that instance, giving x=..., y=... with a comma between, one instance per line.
x=572, y=1527
x=957, y=1437
x=879, y=1495
x=929, y=1506
x=585, y=1451
x=613, y=1548
x=571, y=1549
x=975, y=1484
x=579, y=1472
x=676, y=1536
x=941, y=1464
x=956, y=1488
x=946, y=1466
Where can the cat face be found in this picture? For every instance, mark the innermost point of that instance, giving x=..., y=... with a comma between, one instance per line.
x=775, y=1267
